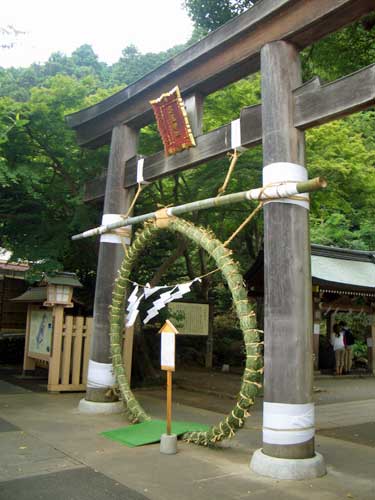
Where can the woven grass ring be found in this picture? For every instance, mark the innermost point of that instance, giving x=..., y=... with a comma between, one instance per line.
x=252, y=377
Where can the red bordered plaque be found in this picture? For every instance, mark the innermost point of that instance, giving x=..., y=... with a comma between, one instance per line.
x=172, y=122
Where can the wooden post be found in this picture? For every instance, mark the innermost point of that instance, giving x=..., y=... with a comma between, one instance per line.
x=77, y=351
x=329, y=325
x=117, y=201
x=55, y=360
x=28, y=363
x=167, y=361
x=288, y=307
x=210, y=340
x=194, y=109
x=86, y=350
x=169, y=402
x=372, y=368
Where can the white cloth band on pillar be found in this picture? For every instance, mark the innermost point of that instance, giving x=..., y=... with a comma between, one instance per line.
x=275, y=173
x=235, y=135
x=112, y=237
x=140, y=164
x=100, y=375
x=285, y=424
x=288, y=416
x=140, y=178
x=287, y=437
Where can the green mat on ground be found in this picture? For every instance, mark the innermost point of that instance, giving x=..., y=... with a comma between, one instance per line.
x=150, y=432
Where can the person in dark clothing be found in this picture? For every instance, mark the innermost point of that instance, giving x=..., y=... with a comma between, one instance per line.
x=349, y=342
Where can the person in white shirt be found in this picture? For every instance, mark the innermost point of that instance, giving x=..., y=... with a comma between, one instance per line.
x=337, y=341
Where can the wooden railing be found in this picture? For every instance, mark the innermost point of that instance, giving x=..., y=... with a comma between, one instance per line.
x=70, y=354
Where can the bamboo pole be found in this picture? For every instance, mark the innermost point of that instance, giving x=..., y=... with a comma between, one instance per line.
x=282, y=190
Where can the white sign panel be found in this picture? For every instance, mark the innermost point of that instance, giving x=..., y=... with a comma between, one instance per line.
x=167, y=352
x=40, y=339
x=190, y=319
x=316, y=328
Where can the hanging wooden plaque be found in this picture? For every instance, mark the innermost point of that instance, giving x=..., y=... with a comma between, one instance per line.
x=172, y=122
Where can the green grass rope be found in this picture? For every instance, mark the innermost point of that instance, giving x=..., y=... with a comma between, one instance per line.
x=252, y=376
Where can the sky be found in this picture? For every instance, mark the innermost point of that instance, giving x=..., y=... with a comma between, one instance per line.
x=107, y=25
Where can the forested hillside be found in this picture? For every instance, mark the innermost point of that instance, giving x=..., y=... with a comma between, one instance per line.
x=43, y=171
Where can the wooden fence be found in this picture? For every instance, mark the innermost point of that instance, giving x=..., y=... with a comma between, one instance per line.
x=70, y=353
x=66, y=352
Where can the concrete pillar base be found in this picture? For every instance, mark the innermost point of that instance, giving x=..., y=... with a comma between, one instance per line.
x=94, y=408
x=168, y=444
x=286, y=468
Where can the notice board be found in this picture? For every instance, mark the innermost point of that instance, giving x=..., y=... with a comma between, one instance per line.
x=190, y=318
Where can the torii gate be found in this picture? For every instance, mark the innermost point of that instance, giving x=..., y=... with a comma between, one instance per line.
x=268, y=37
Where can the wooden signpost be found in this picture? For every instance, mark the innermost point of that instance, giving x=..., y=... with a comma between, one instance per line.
x=167, y=361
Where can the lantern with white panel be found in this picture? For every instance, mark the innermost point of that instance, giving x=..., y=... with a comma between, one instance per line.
x=60, y=288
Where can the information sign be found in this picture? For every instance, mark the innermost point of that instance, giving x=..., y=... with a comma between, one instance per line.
x=190, y=318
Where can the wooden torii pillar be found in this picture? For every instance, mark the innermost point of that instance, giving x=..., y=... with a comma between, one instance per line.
x=117, y=200
x=288, y=409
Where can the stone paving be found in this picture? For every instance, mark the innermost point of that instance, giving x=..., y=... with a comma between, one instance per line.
x=50, y=451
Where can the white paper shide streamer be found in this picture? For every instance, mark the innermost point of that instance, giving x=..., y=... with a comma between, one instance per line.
x=175, y=292
x=133, y=305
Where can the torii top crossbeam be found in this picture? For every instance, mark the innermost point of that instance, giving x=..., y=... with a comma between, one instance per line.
x=224, y=56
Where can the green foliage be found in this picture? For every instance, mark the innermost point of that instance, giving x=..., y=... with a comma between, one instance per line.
x=358, y=322
x=343, y=52
x=359, y=350
x=132, y=65
x=43, y=171
x=42, y=176
x=210, y=14
x=224, y=105
x=343, y=214
x=18, y=82
x=10, y=119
